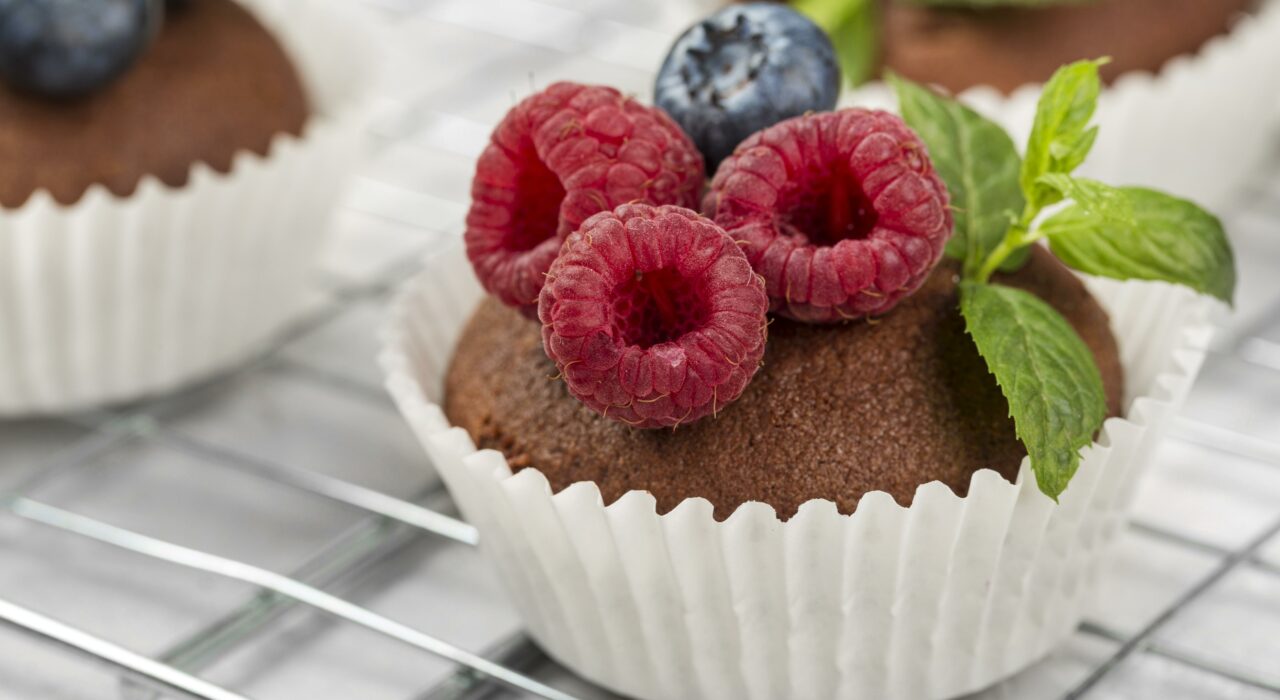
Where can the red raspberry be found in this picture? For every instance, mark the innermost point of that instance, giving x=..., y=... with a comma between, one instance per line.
x=841, y=212
x=556, y=158
x=653, y=316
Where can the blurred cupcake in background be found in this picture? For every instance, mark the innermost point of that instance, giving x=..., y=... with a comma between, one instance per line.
x=1190, y=88
x=166, y=174
x=959, y=44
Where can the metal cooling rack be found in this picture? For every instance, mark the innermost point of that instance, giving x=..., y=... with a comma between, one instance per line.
x=274, y=533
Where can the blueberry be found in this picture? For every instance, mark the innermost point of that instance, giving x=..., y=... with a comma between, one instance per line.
x=742, y=69
x=66, y=48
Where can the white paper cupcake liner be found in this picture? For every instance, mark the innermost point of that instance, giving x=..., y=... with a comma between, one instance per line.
x=931, y=601
x=1201, y=128
x=112, y=299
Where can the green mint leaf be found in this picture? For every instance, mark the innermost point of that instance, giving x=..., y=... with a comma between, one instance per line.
x=1104, y=202
x=854, y=32
x=1167, y=239
x=1046, y=373
x=1060, y=137
x=1069, y=157
x=975, y=158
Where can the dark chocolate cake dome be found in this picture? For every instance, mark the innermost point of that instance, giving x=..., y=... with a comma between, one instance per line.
x=835, y=411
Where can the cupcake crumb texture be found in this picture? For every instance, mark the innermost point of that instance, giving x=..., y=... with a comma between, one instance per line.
x=835, y=411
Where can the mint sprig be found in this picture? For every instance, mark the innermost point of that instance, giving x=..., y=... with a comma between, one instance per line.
x=1043, y=368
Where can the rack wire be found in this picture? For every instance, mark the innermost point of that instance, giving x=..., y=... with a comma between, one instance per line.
x=410, y=200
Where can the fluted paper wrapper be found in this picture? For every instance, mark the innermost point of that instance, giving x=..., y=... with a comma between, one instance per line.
x=112, y=299
x=1201, y=128
x=931, y=601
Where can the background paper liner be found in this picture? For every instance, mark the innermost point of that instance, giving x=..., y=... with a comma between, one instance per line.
x=1201, y=128
x=114, y=298
x=935, y=600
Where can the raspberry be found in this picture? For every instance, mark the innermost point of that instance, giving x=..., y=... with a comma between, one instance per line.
x=841, y=212
x=653, y=316
x=558, y=157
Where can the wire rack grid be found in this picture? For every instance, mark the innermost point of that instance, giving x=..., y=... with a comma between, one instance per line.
x=275, y=533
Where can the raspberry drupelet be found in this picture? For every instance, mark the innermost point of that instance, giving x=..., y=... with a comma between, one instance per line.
x=653, y=316
x=558, y=157
x=841, y=212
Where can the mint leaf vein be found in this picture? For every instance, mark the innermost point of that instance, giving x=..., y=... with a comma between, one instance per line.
x=1046, y=372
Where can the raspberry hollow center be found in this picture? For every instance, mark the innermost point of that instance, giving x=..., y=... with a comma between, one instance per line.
x=536, y=211
x=829, y=209
x=658, y=307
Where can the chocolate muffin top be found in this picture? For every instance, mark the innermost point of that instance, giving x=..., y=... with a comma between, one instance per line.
x=214, y=83
x=835, y=411
x=1008, y=47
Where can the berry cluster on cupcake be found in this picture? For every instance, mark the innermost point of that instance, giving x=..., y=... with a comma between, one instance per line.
x=850, y=428
x=655, y=316
x=167, y=174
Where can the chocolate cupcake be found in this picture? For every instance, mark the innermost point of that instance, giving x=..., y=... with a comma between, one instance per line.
x=164, y=197
x=783, y=448
x=656, y=598
x=167, y=112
